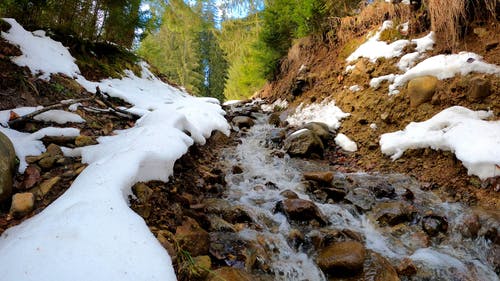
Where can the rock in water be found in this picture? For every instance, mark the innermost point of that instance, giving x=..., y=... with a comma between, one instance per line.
x=421, y=89
x=243, y=122
x=7, y=165
x=301, y=210
x=320, y=129
x=342, y=258
x=304, y=143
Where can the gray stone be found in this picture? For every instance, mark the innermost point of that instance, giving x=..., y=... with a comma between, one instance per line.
x=320, y=129
x=304, y=143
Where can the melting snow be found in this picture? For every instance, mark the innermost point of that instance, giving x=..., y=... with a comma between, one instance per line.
x=462, y=131
x=326, y=112
x=345, y=143
x=90, y=233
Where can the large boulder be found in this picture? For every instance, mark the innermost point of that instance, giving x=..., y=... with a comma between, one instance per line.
x=342, y=258
x=301, y=210
x=7, y=165
x=304, y=143
x=421, y=89
x=320, y=129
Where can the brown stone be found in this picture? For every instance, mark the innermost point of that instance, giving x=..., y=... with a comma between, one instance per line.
x=393, y=213
x=142, y=192
x=320, y=129
x=45, y=186
x=320, y=177
x=379, y=268
x=421, y=89
x=229, y=274
x=342, y=258
x=84, y=141
x=54, y=150
x=406, y=267
x=470, y=226
x=22, y=204
x=301, y=210
x=289, y=194
x=167, y=240
x=479, y=88
x=31, y=176
x=192, y=237
x=243, y=122
x=47, y=162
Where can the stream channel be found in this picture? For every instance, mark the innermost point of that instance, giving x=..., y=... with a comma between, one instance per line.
x=398, y=224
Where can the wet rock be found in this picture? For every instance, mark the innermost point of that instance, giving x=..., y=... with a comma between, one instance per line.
x=393, y=213
x=192, y=237
x=243, y=122
x=237, y=170
x=342, y=258
x=434, y=224
x=325, y=178
x=408, y=195
x=274, y=119
x=421, y=89
x=378, y=268
x=31, y=176
x=383, y=191
x=228, y=247
x=320, y=129
x=494, y=257
x=277, y=135
x=362, y=198
x=295, y=238
x=7, y=165
x=229, y=273
x=22, y=204
x=335, y=193
x=325, y=237
x=82, y=140
x=479, y=88
x=304, y=143
x=218, y=224
x=230, y=213
x=470, y=226
x=289, y=194
x=301, y=210
x=407, y=267
x=142, y=192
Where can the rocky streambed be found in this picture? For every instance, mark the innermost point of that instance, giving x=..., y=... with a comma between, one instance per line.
x=242, y=208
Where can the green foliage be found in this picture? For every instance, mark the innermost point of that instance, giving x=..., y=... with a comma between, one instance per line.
x=238, y=39
x=96, y=20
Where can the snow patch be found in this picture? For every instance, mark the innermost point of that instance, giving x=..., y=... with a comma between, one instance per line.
x=325, y=112
x=355, y=88
x=59, y=116
x=345, y=143
x=462, y=131
x=278, y=103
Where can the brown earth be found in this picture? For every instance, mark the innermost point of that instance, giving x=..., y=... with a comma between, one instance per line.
x=325, y=78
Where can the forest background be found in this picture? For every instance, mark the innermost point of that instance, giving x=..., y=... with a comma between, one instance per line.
x=226, y=49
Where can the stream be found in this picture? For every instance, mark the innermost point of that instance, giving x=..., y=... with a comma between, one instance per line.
x=369, y=212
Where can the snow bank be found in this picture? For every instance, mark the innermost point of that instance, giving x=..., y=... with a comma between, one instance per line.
x=474, y=141
x=90, y=233
x=26, y=144
x=5, y=114
x=374, y=48
x=60, y=117
x=446, y=66
x=345, y=143
x=41, y=54
x=326, y=112
x=278, y=103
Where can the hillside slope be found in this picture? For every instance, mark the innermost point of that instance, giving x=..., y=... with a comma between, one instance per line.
x=317, y=69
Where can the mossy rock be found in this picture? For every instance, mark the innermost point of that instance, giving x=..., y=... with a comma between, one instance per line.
x=7, y=165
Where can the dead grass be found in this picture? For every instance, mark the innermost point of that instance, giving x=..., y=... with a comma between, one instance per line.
x=446, y=17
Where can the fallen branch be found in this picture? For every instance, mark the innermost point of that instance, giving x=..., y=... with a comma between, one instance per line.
x=122, y=112
x=30, y=116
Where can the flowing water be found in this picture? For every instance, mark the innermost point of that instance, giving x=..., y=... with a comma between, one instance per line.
x=266, y=174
